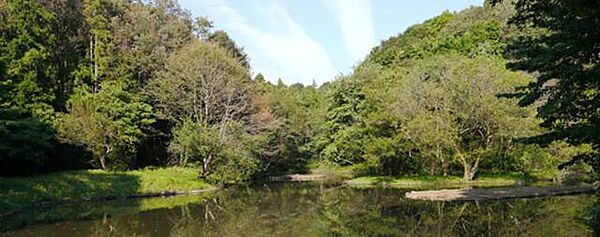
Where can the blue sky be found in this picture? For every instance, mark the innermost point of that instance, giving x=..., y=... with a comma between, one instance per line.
x=306, y=40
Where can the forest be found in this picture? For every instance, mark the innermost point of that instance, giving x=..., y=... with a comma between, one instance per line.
x=123, y=100
x=507, y=87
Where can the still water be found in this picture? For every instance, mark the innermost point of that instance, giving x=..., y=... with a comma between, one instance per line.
x=307, y=209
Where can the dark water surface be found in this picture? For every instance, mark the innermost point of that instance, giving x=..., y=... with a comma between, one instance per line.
x=306, y=209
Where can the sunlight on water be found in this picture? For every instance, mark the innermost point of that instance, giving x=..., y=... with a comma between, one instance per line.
x=307, y=209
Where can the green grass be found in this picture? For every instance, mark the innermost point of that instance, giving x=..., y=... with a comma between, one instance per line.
x=426, y=182
x=332, y=171
x=18, y=193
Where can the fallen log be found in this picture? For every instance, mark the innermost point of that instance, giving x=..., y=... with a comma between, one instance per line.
x=480, y=194
x=297, y=177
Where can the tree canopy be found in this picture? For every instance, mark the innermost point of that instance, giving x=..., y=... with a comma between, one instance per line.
x=132, y=84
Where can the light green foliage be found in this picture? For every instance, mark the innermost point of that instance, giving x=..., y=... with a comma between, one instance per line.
x=193, y=140
x=108, y=124
x=473, y=32
x=207, y=93
x=201, y=82
x=298, y=112
x=431, y=99
x=364, y=121
x=451, y=109
x=341, y=139
x=94, y=184
x=223, y=157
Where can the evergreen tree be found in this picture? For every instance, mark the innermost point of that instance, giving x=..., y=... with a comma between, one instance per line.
x=562, y=43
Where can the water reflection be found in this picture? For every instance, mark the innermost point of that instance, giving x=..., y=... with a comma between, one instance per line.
x=317, y=209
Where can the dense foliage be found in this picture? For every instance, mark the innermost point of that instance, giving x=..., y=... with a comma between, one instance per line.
x=561, y=44
x=128, y=84
x=137, y=83
x=438, y=99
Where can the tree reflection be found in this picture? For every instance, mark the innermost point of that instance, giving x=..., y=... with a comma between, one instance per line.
x=378, y=215
x=319, y=209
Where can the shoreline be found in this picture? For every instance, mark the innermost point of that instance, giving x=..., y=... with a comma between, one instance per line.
x=440, y=182
x=106, y=198
x=96, y=185
x=70, y=187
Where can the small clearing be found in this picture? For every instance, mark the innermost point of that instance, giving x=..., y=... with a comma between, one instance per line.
x=479, y=194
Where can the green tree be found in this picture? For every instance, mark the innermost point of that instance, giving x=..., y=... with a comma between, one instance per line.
x=221, y=38
x=561, y=44
x=222, y=159
x=297, y=113
x=108, y=124
x=27, y=43
x=147, y=33
x=202, y=84
x=26, y=144
x=97, y=14
x=451, y=109
x=342, y=134
x=204, y=30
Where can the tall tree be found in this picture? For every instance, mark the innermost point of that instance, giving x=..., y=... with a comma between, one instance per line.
x=204, y=30
x=451, y=109
x=221, y=38
x=147, y=33
x=341, y=139
x=70, y=46
x=27, y=44
x=202, y=82
x=561, y=45
x=98, y=14
x=203, y=85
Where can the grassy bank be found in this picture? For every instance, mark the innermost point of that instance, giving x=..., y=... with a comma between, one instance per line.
x=426, y=182
x=96, y=210
x=331, y=171
x=18, y=193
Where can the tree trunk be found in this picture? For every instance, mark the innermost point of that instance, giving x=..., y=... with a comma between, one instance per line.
x=96, y=67
x=205, y=167
x=468, y=173
x=470, y=170
x=107, y=150
x=445, y=167
x=103, y=163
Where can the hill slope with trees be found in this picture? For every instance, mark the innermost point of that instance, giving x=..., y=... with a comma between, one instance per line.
x=122, y=85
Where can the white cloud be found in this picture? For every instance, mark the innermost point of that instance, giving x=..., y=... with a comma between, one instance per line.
x=287, y=52
x=356, y=24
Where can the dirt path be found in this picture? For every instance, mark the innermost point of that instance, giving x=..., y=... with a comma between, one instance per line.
x=495, y=193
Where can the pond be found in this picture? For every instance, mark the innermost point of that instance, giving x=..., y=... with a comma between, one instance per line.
x=306, y=209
